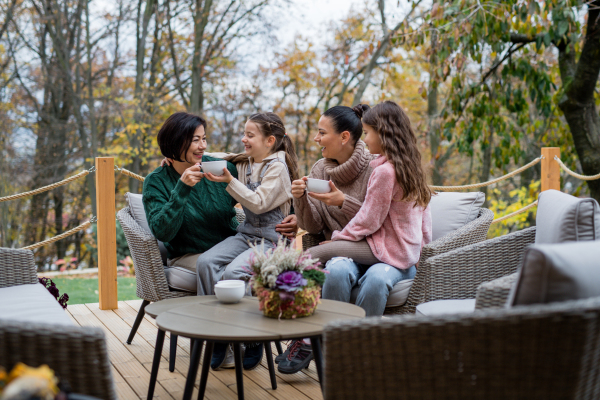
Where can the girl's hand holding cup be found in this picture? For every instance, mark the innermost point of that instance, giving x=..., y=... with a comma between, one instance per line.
x=226, y=177
x=192, y=175
x=299, y=187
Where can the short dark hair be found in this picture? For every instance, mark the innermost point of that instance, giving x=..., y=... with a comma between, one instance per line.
x=176, y=134
x=347, y=119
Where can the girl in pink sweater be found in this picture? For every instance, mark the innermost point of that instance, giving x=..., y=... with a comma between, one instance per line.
x=395, y=218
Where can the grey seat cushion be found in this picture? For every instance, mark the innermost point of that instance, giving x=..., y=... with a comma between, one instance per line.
x=31, y=303
x=452, y=210
x=565, y=218
x=558, y=272
x=397, y=296
x=181, y=278
x=139, y=214
x=443, y=307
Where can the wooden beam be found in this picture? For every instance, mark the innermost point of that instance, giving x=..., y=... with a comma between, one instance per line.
x=550, y=168
x=106, y=232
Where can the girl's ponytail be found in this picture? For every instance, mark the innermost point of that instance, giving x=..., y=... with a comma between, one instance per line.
x=291, y=158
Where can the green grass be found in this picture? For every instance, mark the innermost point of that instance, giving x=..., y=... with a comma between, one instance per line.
x=85, y=290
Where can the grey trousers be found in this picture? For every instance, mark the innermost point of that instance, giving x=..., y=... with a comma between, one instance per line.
x=225, y=260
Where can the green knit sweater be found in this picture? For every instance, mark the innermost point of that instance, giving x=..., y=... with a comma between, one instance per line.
x=188, y=219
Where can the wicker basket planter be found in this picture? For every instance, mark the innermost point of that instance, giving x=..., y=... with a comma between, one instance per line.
x=286, y=281
x=304, y=303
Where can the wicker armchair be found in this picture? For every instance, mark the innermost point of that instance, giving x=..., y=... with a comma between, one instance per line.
x=549, y=351
x=149, y=271
x=78, y=355
x=473, y=232
x=457, y=274
x=150, y=276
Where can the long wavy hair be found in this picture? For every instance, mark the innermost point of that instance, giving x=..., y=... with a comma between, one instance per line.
x=270, y=124
x=399, y=145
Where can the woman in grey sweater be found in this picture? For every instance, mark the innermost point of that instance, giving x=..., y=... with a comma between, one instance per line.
x=345, y=164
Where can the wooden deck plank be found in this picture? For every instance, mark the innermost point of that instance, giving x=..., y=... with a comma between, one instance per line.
x=124, y=391
x=122, y=359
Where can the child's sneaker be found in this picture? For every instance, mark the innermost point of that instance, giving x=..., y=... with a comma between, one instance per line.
x=284, y=355
x=300, y=354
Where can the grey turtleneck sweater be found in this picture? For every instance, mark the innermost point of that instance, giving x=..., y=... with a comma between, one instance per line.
x=351, y=178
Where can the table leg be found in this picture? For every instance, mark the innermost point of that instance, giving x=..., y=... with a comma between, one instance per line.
x=173, y=353
x=193, y=369
x=318, y=354
x=160, y=339
x=239, y=370
x=278, y=346
x=271, y=364
x=208, y=351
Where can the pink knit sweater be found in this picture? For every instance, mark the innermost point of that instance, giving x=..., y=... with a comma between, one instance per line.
x=395, y=230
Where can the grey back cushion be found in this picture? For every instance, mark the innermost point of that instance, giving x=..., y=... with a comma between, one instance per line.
x=452, y=210
x=565, y=218
x=136, y=206
x=558, y=272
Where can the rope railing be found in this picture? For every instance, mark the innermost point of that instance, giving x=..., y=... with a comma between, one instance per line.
x=49, y=187
x=437, y=188
x=512, y=214
x=482, y=184
x=130, y=174
x=63, y=235
x=575, y=174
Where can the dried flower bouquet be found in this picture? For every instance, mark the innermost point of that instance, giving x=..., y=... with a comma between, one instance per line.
x=286, y=281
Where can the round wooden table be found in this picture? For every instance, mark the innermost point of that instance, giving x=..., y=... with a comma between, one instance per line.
x=204, y=318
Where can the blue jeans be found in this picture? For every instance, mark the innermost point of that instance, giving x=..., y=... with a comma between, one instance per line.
x=374, y=283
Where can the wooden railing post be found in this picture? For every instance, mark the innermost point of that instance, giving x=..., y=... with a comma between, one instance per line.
x=106, y=232
x=550, y=168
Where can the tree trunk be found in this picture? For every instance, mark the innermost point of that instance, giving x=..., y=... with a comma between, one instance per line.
x=201, y=15
x=578, y=103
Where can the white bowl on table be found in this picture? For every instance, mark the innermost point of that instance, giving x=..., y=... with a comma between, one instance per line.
x=318, y=185
x=214, y=167
x=230, y=291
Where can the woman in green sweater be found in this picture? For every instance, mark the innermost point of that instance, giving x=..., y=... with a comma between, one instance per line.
x=189, y=214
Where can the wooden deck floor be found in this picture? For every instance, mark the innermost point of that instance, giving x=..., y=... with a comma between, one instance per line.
x=131, y=364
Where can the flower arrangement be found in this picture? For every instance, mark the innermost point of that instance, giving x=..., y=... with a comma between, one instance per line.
x=286, y=281
x=51, y=286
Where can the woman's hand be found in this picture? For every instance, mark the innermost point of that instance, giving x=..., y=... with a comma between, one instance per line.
x=192, y=175
x=333, y=198
x=166, y=161
x=226, y=177
x=299, y=187
x=288, y=227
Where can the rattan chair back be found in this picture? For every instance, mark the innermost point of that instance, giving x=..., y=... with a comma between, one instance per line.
x=549, y=351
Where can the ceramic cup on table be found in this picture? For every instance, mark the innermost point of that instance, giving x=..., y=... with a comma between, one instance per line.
x=230, y=291
x=317, y=185
x=214, y=167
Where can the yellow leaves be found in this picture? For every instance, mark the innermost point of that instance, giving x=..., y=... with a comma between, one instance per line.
x=493, y=55
x=519, y=198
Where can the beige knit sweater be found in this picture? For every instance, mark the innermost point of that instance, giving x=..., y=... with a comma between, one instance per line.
x=351, y=178
x=275, y=189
